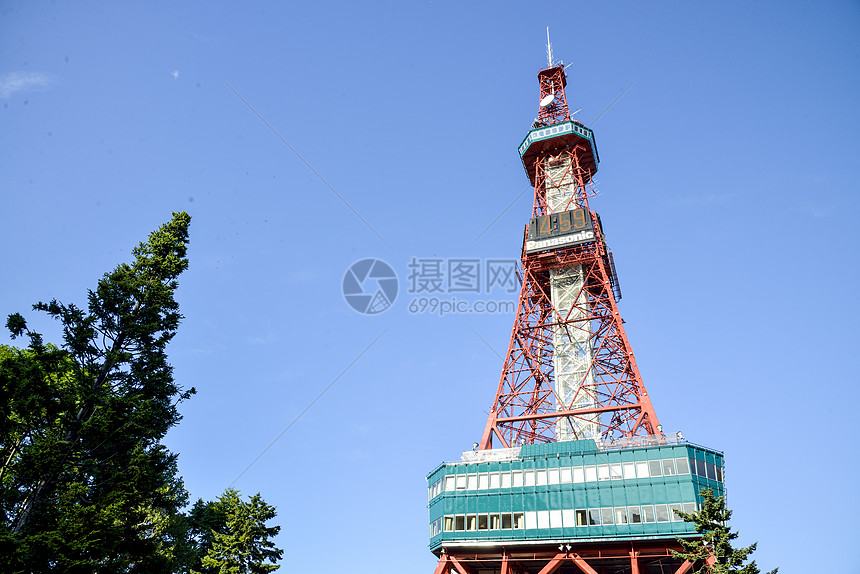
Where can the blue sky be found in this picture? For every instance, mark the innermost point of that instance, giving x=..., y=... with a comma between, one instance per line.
x=728, y=188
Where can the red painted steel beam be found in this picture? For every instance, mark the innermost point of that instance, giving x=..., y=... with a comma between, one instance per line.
x=461, y=568
x=442, y=566
x=553, y=564
x=583, y=565
x=684, y=568
x=634, y=562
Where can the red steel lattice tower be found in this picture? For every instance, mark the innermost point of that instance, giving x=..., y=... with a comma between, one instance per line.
x=569, y=372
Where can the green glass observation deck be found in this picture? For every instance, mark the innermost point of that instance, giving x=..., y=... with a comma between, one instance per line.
x=572, y=490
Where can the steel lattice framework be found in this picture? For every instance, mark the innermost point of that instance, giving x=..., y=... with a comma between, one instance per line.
x=569, y=371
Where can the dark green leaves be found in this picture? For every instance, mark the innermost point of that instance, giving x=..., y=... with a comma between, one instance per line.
x=712, y=523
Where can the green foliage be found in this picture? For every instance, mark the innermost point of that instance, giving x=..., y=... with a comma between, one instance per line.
x=85, y=483
x=238, y=542
x=712, y=523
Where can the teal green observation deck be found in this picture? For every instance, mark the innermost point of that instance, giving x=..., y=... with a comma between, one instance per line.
x=570, y=491
x=557, y=137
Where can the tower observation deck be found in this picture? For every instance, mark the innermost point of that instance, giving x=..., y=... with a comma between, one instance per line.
x=573, y=472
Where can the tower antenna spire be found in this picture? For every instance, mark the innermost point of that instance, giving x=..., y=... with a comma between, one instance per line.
x=548, y=49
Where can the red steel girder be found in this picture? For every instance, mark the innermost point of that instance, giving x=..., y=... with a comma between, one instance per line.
x=527, y=406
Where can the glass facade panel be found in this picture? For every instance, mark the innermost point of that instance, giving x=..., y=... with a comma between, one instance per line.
x=654, y=468
x=594, y=517
x=700, y=468
x=449, y=523
x=590, y=473
x=540, y=477
x=552, y=476
x=472, y=484
x=495, y=522
x=567, y=518
x=507, y=521
x=689, y=507
x=483, y=482
x=720, y=473
x=581, y=517
x=603, y=472
x=648, y=514
x=495, y=480
x=712, y=470
x=528, y=478
x=672, y=515
x=461, y=482
x=471, y=522
x=634, y=514
x=531, y=520
x=621, y=515
x=606, y=516
x=629, y=470
x=615, y=472
x=517, y=477
x=518, y=520
x=543, y=519
x=578, y=474
x=450, y=482
x=460, y=522
x=506, y=480
x=682, y=465
x=669, y=467
x=662, y=512
x=555, y=519
x=565, y=475
x=642, y=469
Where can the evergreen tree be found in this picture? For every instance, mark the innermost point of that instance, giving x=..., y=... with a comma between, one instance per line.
x=712, y=523
x=85, y=483
x=240, y=541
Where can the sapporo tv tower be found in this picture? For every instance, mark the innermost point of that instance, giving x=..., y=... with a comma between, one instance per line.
x=573, y=472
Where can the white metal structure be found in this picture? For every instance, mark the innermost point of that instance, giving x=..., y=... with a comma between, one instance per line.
x=572, y=348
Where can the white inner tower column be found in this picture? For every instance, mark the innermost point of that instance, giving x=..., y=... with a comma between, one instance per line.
x=572, y=347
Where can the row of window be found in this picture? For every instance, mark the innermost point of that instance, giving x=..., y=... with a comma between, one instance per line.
x=573, y=518
x=576, y=474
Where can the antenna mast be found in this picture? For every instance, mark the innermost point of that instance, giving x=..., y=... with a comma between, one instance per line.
x=548, y=49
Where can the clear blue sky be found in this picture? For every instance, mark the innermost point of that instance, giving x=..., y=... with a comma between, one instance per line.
x=738, y=139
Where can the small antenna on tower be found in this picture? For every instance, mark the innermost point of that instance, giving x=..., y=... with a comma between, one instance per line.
x=548, y=49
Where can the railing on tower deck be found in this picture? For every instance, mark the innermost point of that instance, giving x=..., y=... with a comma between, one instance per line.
x=506, y=454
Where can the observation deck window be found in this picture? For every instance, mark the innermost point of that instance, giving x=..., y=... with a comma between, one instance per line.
x=517, y=478
x=662, y=512
x=669, y=467
x=629, y=470
x=603, y=472
x=606, y=516
x=648, y=514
